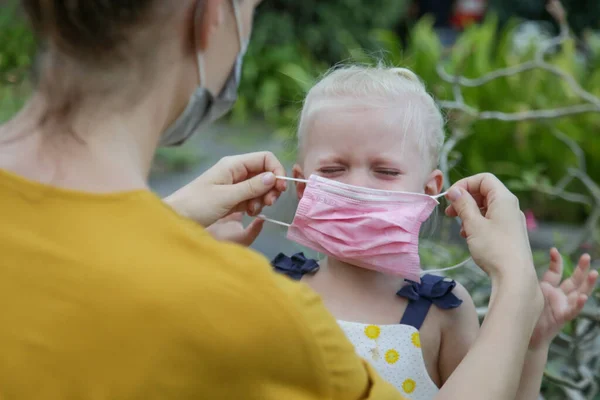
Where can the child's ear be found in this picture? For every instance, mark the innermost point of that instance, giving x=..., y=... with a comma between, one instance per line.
x=297, y=173
x=435, y=183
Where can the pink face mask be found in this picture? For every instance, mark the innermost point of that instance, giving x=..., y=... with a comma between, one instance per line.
x=369, y=228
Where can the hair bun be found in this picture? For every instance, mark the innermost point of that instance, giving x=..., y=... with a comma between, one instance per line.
x=406, y=74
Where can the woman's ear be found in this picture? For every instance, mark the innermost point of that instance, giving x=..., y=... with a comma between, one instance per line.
x=208, y=16
x=435, y=183
x=297, y=173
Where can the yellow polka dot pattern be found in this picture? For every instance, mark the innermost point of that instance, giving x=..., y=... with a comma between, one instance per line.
x=372, y=331
x=409, y=386
x=392, y=356
x=395, y=352
x=416, y=340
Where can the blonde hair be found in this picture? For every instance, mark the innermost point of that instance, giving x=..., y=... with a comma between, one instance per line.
x=386, y=87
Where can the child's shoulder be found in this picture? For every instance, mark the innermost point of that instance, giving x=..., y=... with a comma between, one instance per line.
x=461, y=292
x=463, y=317
x=459, y=328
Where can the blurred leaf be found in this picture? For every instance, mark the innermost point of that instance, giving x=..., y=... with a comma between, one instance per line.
x=299, y=75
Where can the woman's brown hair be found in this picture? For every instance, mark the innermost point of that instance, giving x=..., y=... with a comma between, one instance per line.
x=91, y=48
x=86, y=28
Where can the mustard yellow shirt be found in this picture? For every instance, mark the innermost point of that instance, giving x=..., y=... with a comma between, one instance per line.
x=117, y=297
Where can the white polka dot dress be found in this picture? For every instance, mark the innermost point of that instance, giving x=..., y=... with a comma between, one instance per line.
x=395, y=352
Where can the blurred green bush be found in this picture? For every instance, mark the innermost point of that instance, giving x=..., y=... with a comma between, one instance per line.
x=17, y=46
x=16, y=42
x=324, y=27
x=294, y=41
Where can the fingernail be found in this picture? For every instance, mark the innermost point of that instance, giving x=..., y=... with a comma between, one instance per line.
x=454, y=194
x=268, y=179
x=255, y=206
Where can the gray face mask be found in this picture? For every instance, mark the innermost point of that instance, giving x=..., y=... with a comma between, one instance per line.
x=204, y=108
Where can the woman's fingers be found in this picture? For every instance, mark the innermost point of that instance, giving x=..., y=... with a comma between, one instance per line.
x=483, y=188
x=481, y=185
x=254, y=207
x=252, y=167
x=235, y=217
x=465, y=208
x=271, y=197
x=251, y=232
x=244, y=166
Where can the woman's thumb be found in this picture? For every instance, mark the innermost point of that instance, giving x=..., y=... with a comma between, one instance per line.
x=465, y=206
x=254, y=187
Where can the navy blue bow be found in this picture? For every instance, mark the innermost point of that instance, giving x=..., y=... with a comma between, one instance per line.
x=432, y=290
x=296, y=266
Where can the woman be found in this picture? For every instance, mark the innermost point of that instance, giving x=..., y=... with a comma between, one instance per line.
x=106, y=293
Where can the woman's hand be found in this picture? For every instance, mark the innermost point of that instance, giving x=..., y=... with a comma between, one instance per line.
x=243, y=183
x=231, y=229
x=494, y=227
x=496, y=234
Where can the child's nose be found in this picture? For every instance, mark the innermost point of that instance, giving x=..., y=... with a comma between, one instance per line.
x=358, y=178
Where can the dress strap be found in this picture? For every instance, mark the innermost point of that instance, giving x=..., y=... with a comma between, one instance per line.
x=296, y=266
x=432, y=290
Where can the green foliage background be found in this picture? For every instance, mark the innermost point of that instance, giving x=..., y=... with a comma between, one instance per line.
x=16, y=50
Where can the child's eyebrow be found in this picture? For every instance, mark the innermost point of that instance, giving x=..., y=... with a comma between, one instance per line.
x=384, y=160
x=329, y=158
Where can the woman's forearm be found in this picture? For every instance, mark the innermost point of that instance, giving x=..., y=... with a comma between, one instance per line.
x=492, y=368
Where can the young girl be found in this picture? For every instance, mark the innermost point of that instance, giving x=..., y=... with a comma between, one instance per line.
x=369, y=141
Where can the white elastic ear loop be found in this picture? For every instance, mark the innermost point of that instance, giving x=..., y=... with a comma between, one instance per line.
x=200, y=56
x=273, y=221
x=200, y=60
x=238, y=21
x=461, y=264
x=201, y=71
x=437, y=196
x=285, y=178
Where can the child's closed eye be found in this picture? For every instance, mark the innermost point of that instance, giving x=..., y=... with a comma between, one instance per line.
x=331, y=170
x=388, y=172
